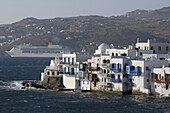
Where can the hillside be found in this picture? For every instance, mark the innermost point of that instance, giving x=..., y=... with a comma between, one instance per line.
x=87, y=32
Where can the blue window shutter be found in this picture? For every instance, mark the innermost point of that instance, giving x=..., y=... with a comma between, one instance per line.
x=68, y=59
x=112, y=65
x=72, y=60
x=64, y=69
x=79, y=83
x=120, y=66
x=113, y=76
x=60, y=58
x=118, y=77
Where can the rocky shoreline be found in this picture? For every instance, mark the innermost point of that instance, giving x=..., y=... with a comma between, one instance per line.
x=41, y=85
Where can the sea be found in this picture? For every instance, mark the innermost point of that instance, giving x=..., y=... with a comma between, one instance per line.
x=14, y=99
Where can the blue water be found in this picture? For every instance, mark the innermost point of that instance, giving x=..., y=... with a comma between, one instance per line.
x=13, y=99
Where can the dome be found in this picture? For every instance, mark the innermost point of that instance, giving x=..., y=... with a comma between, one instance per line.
x=103, y=47
x=111, y=46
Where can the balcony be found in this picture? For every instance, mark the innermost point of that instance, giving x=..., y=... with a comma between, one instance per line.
x=67, y=63
x=132, y=70
x=68, y=73
x=116, y=68
x=115, y=80
x=159, y=81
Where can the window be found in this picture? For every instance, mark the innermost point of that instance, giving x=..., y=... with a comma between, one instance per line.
x=124, y=54
x=48, y=73
x=118, y=77
x=147, y=80
x=108, y=61
x=113, y=76
x=88, y=82
x=53, y=73
x=130, y=80
x=116, y=54
x=113, y=65
x=79, y=83
x=104, y=61
x=104, y=71
x=141, y=53
x=68, y=59
x=64, y=59
x=72, y=71
x=64, y=69
x=147, y=68
x=151, y=47
x=167, y=85
x=162, y=58
x=60, y=58
x=132, y=68
x=72, y=60
x=112, y=54
x=145, y=48
x=159, y=48
x=167, y=48
x=83, y=82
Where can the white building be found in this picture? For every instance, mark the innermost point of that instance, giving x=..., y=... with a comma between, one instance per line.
x=157, y=47
x=160, y=81
x=110, y=69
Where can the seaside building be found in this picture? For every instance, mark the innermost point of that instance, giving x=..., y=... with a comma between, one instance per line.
x=127, y=70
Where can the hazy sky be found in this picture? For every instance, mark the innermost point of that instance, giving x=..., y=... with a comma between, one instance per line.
x=15, y=10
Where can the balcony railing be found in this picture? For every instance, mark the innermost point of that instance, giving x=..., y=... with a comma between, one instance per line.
x=68, y=73
x=159, y=81
x=131, y=70
x=115, y=70
x=115, y=80
x=66, y=63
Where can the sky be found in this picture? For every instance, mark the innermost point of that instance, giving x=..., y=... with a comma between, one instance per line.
x=15, y=10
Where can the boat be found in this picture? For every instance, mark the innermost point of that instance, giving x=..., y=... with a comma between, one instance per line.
x=27, y=50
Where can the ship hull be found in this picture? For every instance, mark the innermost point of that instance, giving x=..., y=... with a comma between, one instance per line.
x=33, y=55
x=35, y=51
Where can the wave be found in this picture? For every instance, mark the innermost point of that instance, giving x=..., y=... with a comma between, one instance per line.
x=13, y=85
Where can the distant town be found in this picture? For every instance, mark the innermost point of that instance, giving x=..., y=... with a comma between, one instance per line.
x=143, y=67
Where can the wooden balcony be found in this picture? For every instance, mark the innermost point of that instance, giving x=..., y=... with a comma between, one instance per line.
x=159, y=81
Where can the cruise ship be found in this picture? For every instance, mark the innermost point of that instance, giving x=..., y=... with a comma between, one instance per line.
x=27, y=50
